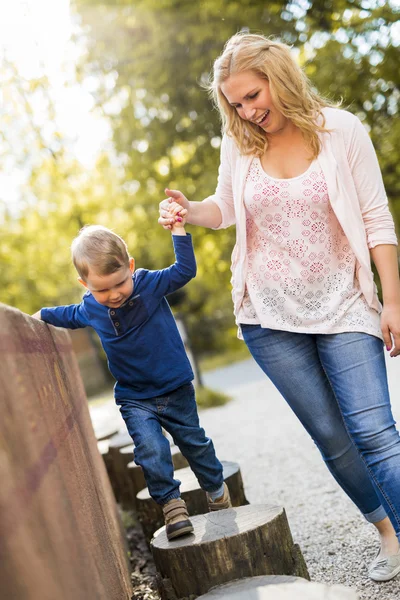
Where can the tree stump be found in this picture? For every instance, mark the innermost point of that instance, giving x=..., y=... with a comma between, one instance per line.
x=226, y=545
x=121, y=459
x=116, y=442
x=103, y=447
x=278, y=587
x=137, y=482
x=150, y=513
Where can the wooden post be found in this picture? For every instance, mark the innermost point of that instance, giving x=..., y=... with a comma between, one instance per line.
x=122, y=458
x=226, y=545
x=150, y=513
x=116, y=442
x=103, y=447
x=278, y=587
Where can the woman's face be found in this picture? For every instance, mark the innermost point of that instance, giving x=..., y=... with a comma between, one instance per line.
x=250, y=95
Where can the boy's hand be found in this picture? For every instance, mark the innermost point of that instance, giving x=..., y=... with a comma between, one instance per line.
x=179, y=214
x=37, y=315
x=174, y=196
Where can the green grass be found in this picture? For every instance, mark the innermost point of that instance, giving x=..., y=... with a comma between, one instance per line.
x=222, y=359
x=206, y=397
x=102, y=397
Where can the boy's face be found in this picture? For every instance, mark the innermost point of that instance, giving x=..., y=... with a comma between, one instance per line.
x=111, y=290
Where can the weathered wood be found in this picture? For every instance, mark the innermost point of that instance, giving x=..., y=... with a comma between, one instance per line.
x=151, y=516
x=116, y=442
x=121, y=460
x=278, y=587
x=230, y=544
x=103, y=447
x=136, y=480
x=59, y=532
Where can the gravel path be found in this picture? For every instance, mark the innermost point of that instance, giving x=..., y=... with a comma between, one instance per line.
x=281, y=465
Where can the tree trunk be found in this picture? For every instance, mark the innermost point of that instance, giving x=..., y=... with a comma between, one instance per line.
x=226, y=545
x=151, y=516
x=278, y=587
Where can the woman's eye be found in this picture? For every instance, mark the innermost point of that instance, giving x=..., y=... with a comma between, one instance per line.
x=253, y=96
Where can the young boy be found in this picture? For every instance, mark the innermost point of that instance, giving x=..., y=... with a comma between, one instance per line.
x=146, y=356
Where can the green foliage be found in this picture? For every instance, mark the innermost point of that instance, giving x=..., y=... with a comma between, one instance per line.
x=206, y=398
x=149, y=60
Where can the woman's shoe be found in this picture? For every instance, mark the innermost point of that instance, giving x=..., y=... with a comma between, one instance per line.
x=385, y=568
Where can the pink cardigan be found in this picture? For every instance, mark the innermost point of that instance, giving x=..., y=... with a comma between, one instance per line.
x=356, y=194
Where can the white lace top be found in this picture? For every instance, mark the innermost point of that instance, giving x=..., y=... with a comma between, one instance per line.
x=301, y=271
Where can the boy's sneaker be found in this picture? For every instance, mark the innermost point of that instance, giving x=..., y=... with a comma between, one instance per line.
x=220, y=503
x=176, y=517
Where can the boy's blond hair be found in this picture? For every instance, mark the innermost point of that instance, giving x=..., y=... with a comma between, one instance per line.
x=291, y=92
x=99, y=249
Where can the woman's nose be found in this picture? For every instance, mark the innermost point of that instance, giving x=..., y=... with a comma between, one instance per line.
x=249, y=113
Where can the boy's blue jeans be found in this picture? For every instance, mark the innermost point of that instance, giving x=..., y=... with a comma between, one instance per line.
x=336, y=384
x=177, y=413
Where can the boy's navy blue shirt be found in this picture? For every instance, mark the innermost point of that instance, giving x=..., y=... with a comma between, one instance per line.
x=145, y=352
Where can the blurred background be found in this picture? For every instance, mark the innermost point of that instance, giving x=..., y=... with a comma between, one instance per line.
x=102, y=107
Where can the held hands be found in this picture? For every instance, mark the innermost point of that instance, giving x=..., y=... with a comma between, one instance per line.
x=178, y=216
x=390, y=325
x=167, y=218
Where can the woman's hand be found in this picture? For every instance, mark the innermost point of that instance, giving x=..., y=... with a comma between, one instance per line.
x=390, y=325
x=174, y=196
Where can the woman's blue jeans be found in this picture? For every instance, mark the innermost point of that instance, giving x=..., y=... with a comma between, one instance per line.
x=177, y=413
x=336, y=384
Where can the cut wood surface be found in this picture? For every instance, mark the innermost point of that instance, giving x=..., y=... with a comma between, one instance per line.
x=227, y=545
x=151, y=516
x=278, y=587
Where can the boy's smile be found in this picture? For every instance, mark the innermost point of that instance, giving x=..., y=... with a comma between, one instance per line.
x=111, y=290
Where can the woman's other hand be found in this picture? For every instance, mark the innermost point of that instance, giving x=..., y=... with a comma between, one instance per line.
x=390, y=324
x=174, y=196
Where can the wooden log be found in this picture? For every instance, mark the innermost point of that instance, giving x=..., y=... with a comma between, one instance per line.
x=278, y=587
x=150, y=513
x=226, y=545
x=122, y=458
x=103, y=447
x=116, y=442
x=136, y=480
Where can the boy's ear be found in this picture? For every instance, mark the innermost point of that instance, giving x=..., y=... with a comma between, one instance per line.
x=82, y=282
x=131, y=264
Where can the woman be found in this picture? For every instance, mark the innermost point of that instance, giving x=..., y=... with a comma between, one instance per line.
x=301, y=181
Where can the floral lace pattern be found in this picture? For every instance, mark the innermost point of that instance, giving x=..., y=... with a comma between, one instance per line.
x=301, y=271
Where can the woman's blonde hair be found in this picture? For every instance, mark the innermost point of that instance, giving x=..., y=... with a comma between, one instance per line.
x=290, y=90
x=99, y=249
